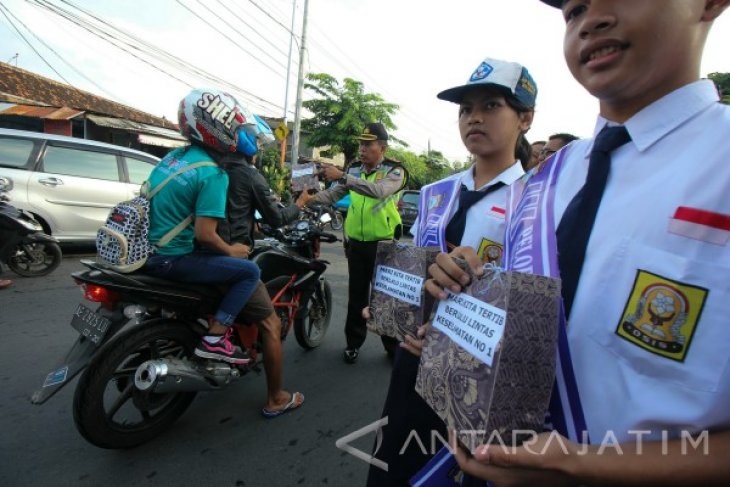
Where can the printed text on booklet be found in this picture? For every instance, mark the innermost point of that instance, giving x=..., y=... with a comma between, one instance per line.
x=398, y=284
x=474, y=325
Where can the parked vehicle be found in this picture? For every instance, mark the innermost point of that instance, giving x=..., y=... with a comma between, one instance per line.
x=137, y=345
x=408, y=207
x=24, y=247
x=68, y=184
x=336, y=220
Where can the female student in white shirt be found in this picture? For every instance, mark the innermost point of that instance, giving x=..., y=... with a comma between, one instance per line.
x=496, y=108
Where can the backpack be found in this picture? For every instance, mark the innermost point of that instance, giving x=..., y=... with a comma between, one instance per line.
x=122, y=244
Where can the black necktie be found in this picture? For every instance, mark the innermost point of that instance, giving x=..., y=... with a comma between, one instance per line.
x=577, y=222
x=467, y=199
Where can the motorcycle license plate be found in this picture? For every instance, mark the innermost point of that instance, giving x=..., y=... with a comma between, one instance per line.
x=90, y=324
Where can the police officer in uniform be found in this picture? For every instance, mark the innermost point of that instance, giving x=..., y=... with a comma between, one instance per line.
x=373, y=183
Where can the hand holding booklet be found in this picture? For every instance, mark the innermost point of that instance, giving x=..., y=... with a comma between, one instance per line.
x=304, y=175
x=488, y=364
x=398, y=304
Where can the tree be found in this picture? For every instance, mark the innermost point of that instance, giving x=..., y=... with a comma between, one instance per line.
x=278, y=177
x=341, y=112
x=722, y=81
x=422, y=169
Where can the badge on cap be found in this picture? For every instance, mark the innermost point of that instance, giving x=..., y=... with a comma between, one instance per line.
x=481, y=72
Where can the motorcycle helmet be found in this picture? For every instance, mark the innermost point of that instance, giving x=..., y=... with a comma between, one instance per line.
x=215, y=119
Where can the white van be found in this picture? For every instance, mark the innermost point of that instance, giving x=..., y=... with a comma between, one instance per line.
x=69, y=184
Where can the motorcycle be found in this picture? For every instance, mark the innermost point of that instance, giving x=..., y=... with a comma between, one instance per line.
x=336, y=220
x=24, y=247
x=137, y=345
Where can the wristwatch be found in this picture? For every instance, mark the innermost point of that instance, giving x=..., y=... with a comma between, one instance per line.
x=343, y=180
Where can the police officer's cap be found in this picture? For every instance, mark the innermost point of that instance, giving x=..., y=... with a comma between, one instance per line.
x=374, y=131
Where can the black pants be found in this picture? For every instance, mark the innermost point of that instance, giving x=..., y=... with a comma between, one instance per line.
x=360, y=266
x=408, y=417
x=407, y=412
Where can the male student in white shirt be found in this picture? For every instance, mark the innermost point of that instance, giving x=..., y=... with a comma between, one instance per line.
x=647, y=330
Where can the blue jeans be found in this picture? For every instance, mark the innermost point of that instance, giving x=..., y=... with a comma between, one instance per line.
x=206, y=268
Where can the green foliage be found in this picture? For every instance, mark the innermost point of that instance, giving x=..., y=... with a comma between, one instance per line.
x=278, y=177
x=423, y=169
x=722, y=81
x=340, y=113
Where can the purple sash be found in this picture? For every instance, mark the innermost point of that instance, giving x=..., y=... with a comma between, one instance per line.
x=435, y=205
x=531, y=246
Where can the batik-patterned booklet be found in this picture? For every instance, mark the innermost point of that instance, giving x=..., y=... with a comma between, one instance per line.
x=398, y=304
x=304, y=175
x=488, y=363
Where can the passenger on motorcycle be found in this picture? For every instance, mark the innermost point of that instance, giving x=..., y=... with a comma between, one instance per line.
x=215, y=124
x=249, y=192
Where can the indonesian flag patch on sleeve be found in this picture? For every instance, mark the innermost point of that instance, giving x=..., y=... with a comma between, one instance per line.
x=707, y=226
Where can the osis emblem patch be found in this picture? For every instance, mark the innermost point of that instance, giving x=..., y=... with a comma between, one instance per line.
x=661, y=315
x=490, y=252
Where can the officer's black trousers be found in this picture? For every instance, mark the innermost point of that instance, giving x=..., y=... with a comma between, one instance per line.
x=360, y=266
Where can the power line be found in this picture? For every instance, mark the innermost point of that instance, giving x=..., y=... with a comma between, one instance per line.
x=234, y=29
x=70, y=17
x=146, y=49
x=230, y=11
x=274, y=19
x=60, y=57
x=3, y=8
x=131, y=42
x=336, y=60
x=162, y=55
x=427, y=130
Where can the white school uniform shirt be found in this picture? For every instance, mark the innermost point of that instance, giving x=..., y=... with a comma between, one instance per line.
x=649, y=332
x=485, y=220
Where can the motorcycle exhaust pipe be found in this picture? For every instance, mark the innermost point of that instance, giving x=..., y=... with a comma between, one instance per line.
x=175, y=375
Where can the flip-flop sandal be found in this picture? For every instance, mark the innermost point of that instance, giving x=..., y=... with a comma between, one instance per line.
x=290, y=406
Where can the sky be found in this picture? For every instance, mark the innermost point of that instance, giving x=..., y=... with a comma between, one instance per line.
x=405, y=50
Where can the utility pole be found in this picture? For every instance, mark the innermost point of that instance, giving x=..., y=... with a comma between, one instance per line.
x=300, y=86
x=288, y=72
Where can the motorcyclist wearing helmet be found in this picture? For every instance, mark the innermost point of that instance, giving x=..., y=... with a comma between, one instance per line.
x=249, y=192
x=214, y=123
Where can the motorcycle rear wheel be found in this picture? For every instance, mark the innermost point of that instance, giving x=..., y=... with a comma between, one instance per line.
x=310, y=329
x=42, y=259
x=109, y=411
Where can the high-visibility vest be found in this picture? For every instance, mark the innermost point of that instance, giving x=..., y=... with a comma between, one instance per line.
x=371, y=219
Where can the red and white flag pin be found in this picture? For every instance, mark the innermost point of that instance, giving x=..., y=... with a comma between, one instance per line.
x=497, y=212
x=698, y=224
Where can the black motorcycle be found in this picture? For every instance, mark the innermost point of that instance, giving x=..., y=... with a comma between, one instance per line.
x=335, y=218
x=137, y=345
x=24, y=247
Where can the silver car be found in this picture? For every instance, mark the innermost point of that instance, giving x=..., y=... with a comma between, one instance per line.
x=69, y=184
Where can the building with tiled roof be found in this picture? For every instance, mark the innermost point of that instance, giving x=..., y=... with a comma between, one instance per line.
x=32, y=102
x=29, y=101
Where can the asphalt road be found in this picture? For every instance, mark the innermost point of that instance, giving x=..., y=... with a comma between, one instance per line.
x=221, y=440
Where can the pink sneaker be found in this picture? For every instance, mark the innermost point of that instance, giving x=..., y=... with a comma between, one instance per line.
x=224, y=350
